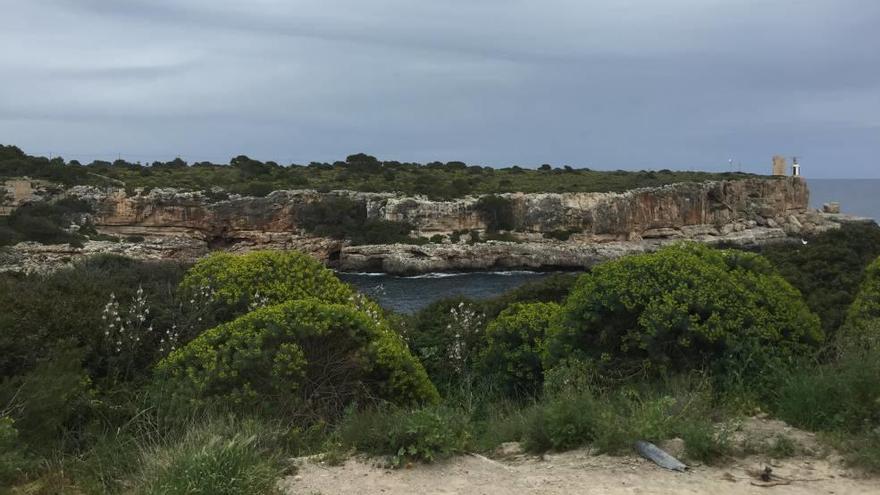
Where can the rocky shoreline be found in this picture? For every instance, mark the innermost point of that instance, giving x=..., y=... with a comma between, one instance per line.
x=184, y=226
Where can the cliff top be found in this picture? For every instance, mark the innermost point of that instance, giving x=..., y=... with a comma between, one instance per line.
x=359, y=172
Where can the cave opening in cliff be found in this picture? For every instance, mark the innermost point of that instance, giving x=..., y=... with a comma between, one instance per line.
x=334, y=256
x=218, y=241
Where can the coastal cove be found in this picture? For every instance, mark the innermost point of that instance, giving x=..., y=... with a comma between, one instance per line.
x=408, y=295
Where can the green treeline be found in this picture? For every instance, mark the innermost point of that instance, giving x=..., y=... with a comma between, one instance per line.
x=122, y=376
x=358, y=172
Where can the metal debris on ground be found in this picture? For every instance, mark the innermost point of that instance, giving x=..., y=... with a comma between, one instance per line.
x=659, y=457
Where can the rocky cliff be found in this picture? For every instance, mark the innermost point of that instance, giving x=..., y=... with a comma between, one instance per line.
x=187, y=225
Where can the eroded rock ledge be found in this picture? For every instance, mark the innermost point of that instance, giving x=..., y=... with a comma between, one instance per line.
x=187, y=225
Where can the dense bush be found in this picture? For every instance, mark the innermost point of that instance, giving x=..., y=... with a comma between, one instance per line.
x=681, y=308
x=300, y=357
x=515, y=344
x=44, y=222
x=552, y=288
x=232, y=285
x=340, y=217
x=39, y=310
x=52, y=398
x=862, y=326
x=448, y=336
x=828, y=269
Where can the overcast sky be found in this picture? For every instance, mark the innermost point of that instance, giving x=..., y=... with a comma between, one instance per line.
x=606, y=84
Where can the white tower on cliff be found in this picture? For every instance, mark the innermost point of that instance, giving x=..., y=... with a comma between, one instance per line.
x=795, y=167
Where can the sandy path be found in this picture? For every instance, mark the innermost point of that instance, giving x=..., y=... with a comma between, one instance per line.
x=574, y=472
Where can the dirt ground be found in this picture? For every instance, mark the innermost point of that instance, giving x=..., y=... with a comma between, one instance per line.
x=580, y=471
x=575, y=472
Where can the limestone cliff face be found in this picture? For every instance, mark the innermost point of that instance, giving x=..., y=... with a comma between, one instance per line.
x=618, y=215
x=605, y=224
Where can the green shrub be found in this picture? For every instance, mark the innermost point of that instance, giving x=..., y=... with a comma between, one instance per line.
x=703, y=442
x=552, y=288
x=782, y=447
x=13, y=461
x=570, y=376
x=45, y=222
x=562, y=423
x=448, y=337
x=299, y=357
x=235, y=284
x=212, y=460
x=425, y=434
x=514, y=346
x=685, y=307
x=862, y=326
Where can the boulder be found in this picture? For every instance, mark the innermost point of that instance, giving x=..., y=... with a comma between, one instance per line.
x=832, y=207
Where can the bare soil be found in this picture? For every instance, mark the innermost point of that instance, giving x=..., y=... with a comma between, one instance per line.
x=813, y=470
x=576, y=472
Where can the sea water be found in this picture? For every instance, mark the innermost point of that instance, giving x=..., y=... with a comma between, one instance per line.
x=856, y=196
x=410, y=294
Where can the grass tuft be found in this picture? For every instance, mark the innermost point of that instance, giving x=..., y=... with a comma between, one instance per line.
x=218, y=457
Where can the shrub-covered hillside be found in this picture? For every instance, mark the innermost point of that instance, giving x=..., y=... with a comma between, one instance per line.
x=358, y=172
x=122, y=376
x=828, y=268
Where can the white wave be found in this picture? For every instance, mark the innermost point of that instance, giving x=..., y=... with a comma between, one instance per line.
x=432, y=275
x=440, y=275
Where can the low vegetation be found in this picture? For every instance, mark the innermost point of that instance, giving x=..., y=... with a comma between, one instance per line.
x=217, y=457
x=358, y=172
x=138, y=377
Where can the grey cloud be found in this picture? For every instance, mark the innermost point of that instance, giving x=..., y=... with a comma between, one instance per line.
x=605, y=84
